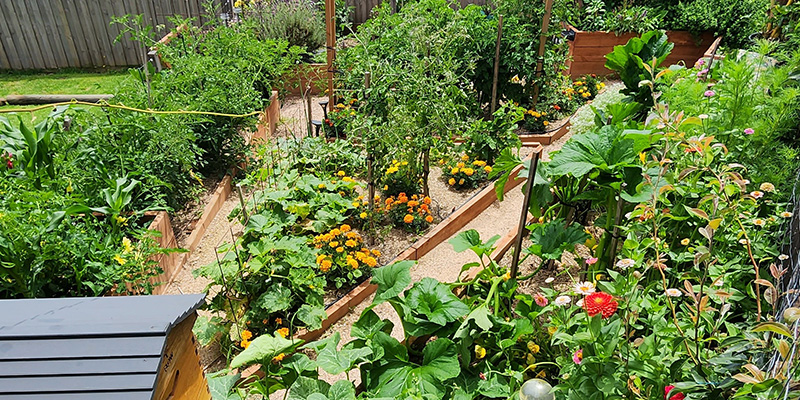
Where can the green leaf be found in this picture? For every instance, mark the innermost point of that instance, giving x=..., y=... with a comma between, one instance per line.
x=221, y=386
x=263, y=349
x=391, y=280
x=275, y=298
x=465, y=240
x=312, y=316
x=775, y=327
x=342, y=390
x=304, y=388
x=435, y=300
x=551, y=239
x=368, y=324
x=439, y=364
x=335, y=361
x=207, y=329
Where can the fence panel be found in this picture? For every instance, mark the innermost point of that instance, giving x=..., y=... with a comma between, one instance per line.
x=49, y=34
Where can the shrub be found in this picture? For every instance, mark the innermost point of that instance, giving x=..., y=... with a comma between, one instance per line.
x=298, y=22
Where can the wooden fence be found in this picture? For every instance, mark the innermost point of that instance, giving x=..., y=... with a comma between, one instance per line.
x=50, y=34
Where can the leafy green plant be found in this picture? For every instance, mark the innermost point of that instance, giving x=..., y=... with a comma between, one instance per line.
x=299, y=22
x=637, y=64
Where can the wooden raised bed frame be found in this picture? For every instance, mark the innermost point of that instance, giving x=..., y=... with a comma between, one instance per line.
x=588, y=50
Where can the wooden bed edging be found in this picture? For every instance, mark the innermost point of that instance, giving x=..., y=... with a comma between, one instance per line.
x=546, y=138
x=588, y=50
x=173, y=263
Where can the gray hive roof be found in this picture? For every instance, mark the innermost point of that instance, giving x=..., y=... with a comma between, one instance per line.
x=86, y=348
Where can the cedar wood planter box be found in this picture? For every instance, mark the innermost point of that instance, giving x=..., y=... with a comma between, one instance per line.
x=588, y=50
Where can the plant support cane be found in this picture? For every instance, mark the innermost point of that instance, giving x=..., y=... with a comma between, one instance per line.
x=524, y=214
x=548, y=9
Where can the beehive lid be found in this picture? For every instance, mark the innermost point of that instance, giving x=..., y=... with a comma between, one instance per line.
x=86, y=348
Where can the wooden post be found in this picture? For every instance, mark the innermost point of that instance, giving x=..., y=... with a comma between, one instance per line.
x=307, y=95
x=493, y=105
x=330, y=36
x=524, y=216
x=548, y=10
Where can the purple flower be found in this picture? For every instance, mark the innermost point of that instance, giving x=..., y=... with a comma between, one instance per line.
x=749, y=131
x=709, y=93
x=700, y=62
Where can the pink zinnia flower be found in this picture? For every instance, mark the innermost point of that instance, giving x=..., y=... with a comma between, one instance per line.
x=540, y=300
x=591, y=260
x=702, y=72
x=700, y=62
x=676, y=396
x=749, y=131
x=577, y=356
x=709, y=93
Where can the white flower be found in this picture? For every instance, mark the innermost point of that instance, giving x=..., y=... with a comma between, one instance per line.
x=562, y=300
x=672, y=292
x=767, y=187
x=786, y=214
x=743, y=241
x=746, y=181
x=718, y=282
x=584, y=288
x=579, y=303
x=759, y=222
x=625, y=263
x=783, y=257
x=757, y=194
x=549, y=280
x=703, y=116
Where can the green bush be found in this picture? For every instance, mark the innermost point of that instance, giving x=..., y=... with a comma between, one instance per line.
x=299, y=22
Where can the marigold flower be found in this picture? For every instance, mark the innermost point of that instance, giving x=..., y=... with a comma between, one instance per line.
x=321, y=186
x=451, y=181
x=429, y=219
x=325, y=266
x=540, y=300
x=413, y=203
x=278, y=358
x=279, y=321
x=335, y=232
x=480, y=352
x=340, y=249
x=334, y=244
x=562, y=300
x=461, y=181
x=468, y=171
x=533, y=347
x=454, y=171
x=685, y=241
x=465, y=158
x=426, y=200
x=351, y=243
x=284, y=332
x=246, y=335
x=244, y=344
x=352, y=263
x=460, y=165
x=584, y=288
x=672, y=292
x=479, y=163
x=371, y=262
x=376, y=253
x=577, y=356
x=363, y=215
x=341, y=173
x=487, y=169
x=408, y=218
x=600, y=303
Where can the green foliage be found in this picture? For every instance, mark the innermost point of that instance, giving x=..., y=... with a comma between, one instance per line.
x=637, y=64
x=552, y=239
x=485, y=139
x=734, y=20
x=300, y=23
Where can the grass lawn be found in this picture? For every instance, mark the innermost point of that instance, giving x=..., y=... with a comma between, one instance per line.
x=62, y=82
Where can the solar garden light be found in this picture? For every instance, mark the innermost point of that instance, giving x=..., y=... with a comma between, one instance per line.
x=536, y=389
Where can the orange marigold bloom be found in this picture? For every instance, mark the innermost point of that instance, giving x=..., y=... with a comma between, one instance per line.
x=278, y=358
x=408, y=218
x=376, y=253
x=284, y=332
x=426, y=200
x=340, y=249
x=247, y=335
x=325, y=266
x=600, y=303
x=345, y=228
x=351, y=243
x=413, y=203
x=429, y=218
x=245, y=344
x=371, y=262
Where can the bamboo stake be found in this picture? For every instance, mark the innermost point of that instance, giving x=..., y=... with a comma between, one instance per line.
x=524, y=215
x=330, y=33
x=493, y=105
x=548, y=10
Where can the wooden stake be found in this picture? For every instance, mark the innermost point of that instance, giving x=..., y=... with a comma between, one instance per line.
x=330, y=39
x=308, y=111
x=493, y=105
x=548, y=10
x=524, y=216
x=370, y=168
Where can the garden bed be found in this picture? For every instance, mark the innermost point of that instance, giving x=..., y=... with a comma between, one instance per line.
x=587, y=50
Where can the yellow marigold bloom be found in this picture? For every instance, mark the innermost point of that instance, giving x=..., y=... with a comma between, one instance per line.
x=247, y=335
x=119, y=259
x=372, y=262
x=552, y=330
x=408, y=218
x=533, y=347
x=352, y=263
x=404, y=163
x=325, y=266
x=127, y=247
x=320, y=258
x=452, y=181
x=278, y=358
x=334, y=244
x=461, y=181
x=347, y=179
x=464, y=157
x=341, y=173
x=487, y=169
x=454, y=171
x=244, y=344
x=479, y=163
x=340, y=249
x=469, y=171
x=351, y=243
x=345, y=228
x=356, y=204
x=335, y=232
x=413, y=203
x=480, y=352
x=460, y=165
x=545, y=123
x=429, y=219
x=685, y=241
x=284, y=332
x=426, y=200
x=376, y=253
x=363, y=215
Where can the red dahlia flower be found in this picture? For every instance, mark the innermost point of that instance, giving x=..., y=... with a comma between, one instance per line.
x=676, y=396
x=600, y=303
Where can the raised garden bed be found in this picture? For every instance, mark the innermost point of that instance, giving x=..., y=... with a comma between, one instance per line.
x=587, y=50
